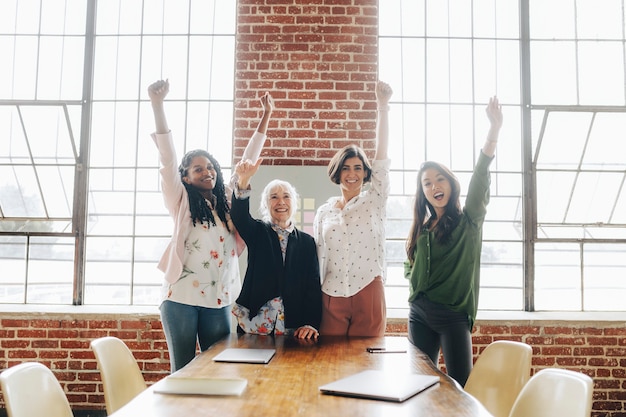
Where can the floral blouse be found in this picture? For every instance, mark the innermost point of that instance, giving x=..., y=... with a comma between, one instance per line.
x=270, y=318
x=210, y=276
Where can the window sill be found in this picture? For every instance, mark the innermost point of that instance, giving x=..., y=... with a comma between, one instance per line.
x=400, y=316
x=395, y=316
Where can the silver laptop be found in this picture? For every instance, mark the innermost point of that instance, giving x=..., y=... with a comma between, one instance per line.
x=200, y=386
x=380, y=385
x=243, y=355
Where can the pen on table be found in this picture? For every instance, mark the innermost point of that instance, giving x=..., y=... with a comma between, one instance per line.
x=384, y=350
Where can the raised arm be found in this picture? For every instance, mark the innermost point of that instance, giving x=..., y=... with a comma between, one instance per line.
x=494, y=113
x=255, y=145
x=383, y=94
x=267, y=101
x=157, y=92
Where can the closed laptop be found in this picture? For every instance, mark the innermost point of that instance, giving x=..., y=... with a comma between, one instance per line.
x=243, y=355
x=380, y=385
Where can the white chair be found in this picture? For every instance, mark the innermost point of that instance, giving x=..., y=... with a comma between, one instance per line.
x=122, y=379
x=31, y=389
x=555, y=392
x=499, y=374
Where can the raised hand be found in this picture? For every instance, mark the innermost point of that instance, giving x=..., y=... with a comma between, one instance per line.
x=267, y=101
x=158, y=90
x=494, y=113
x=383, y=93
x=244, y=170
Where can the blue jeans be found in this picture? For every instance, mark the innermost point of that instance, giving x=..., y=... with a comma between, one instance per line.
x=433, y=326
x=185, y=325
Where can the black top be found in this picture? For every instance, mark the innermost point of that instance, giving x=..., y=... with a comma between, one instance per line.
x=297, y=280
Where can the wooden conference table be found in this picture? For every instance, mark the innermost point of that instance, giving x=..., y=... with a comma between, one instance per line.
x=288, y=385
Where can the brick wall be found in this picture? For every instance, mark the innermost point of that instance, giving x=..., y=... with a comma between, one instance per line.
x=61, y=342
x=318, y=59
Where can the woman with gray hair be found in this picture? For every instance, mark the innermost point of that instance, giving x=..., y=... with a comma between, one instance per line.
x=281, y=291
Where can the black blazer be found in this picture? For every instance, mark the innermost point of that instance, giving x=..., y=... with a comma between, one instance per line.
x=297, y=280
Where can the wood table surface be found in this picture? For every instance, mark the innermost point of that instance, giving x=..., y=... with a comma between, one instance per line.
x=288, y=384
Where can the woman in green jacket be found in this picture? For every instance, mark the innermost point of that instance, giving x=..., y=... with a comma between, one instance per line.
x=443, y=250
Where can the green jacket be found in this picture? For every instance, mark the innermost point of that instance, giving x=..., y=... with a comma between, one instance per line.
x=450, y=274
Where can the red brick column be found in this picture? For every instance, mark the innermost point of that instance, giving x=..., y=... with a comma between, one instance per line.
x=318, y=58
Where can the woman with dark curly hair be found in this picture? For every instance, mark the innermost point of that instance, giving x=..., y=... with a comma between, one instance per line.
x=201, y=263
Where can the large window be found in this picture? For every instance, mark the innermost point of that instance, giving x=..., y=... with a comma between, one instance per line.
x=555, y=233
x=75, y=113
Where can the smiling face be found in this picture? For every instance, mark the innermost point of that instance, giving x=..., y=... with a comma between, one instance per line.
x=352, y=176
x=437, y=189
x=201, y=174
x=279, y=204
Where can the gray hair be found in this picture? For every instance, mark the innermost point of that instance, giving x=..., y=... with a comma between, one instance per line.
x=264, y=209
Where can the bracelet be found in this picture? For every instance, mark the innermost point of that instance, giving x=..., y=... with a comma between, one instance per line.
x=383, y=108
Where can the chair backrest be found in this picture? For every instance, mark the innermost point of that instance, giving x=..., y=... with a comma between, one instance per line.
x=499, y=374
x=122, y=379
x=31, y=389
x=555, y=392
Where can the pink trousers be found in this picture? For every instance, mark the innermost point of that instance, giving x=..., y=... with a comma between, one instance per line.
x=363, y=314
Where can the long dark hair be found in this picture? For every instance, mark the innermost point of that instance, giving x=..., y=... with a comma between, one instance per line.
x=423, y=211
x=200, y=210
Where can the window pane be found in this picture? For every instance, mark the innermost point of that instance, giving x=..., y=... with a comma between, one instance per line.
x=213, y=16
x=552, y=19
x=460, y=73
x=108, y=270
x=210, y=128
x=601, y=73
x=24, y=57
x=13, y=264
x=60, y=68
x=119, y=17
x=210, y=67
x=20, y=195
x=608, y=129
x=559, y=125
x=594, y=197
x=50, y=270
x=114, y=57
x=438, y=70
x=27, y=16
x=553, y=79
x=605, y=286
x=402, y=17
x=608, y=12
x=404, y=63
x=553, y=195
x=57, y=186
x=557, y=277
x=63, y=17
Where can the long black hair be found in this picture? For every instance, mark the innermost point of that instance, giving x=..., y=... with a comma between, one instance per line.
x=200, y=210
x=423, y=211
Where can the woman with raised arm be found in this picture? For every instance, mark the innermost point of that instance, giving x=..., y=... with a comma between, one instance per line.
x=200, y=263
x=350, y=235
x=443, y=251
x=281, y=290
